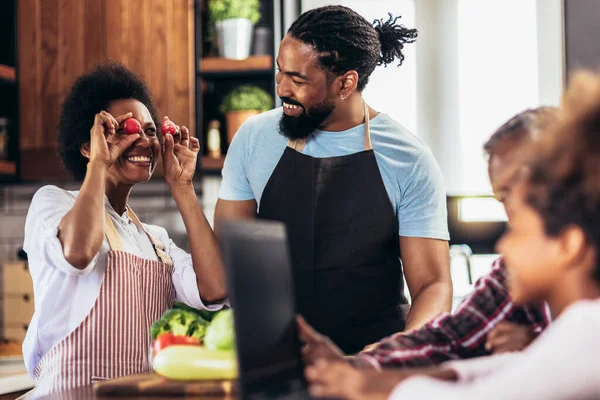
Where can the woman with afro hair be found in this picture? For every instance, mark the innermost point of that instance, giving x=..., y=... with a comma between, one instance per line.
x=101, y=277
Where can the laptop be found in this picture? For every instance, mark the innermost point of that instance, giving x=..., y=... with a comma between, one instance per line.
x=261, y=291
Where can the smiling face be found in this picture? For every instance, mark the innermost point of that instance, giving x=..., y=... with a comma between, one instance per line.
x=138, y=162
x=307, y=95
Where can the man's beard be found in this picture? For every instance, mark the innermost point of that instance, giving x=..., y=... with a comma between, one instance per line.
x=302, y=126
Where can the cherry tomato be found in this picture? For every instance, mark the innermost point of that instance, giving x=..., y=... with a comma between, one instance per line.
x=168, y=339
x=132, y=126
x=168, y=126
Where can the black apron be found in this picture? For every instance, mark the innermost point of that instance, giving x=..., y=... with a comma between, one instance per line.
x=344, y=243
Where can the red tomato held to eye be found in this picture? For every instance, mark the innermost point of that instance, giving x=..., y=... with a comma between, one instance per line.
x=168, y=126
x=131, y=126
x=168, y=339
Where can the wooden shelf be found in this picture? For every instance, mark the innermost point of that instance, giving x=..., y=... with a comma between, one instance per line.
x=224, y=66
x=8, y=73
x=212, y=164
x=8, y=168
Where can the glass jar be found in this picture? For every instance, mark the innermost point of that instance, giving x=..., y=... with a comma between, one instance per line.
x=214, y=139
x=4, y=138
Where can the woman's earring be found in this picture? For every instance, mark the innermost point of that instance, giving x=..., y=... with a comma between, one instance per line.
x=343, y=97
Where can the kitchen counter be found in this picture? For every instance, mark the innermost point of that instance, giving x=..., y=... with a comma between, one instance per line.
x=14, y=376
x=149, y=385
x=87, y=393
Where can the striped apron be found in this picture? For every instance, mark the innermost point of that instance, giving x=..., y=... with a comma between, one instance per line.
x=114, y=339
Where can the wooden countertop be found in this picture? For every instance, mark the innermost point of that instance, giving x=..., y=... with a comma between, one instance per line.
x=14, y=376
x=150, y=386
x=87, y=393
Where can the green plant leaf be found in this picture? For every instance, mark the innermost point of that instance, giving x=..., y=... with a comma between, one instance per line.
x=220, y=10
x=246, y=97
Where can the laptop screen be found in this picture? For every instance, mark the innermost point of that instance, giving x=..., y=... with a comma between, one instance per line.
x=261, y=292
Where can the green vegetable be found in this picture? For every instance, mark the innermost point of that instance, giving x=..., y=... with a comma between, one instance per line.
x=220, y=10
x=195, y=363
x=204, y=314
x=220, y=334
x=246, y=97
x=179, y=322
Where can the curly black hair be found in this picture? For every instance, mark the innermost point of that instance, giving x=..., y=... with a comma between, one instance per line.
x=90, y=94
x=345, y=41
x=564, y=174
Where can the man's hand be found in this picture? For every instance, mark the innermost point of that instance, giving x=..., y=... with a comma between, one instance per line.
x=317, y=346
x=507, y=337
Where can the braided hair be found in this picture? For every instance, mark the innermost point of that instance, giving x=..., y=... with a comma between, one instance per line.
x=344, y=40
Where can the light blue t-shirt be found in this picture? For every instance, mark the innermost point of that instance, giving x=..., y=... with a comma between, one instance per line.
x=411, y=176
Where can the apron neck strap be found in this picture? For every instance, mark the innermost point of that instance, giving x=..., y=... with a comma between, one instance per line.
x=299, y=144
x=114, y=240
x=115, y=243
x=159, y=249
x=368, y=145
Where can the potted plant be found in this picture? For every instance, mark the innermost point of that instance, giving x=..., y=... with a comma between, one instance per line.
x=242, y=103
x=234, y=21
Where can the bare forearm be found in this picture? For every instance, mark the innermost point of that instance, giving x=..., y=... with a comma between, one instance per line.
x=431, y=300
x=81, y=230
x=206, y=256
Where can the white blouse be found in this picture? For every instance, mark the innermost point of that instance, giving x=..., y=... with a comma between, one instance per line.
x=65, y=295
x=562, y=363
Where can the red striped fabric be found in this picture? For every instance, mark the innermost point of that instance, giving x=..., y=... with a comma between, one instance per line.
x=114, y=339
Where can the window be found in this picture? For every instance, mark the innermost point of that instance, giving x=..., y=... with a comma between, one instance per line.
x=497, y=77
x=393, y=90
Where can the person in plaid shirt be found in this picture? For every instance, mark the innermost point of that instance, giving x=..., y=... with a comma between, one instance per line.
x=487, y=321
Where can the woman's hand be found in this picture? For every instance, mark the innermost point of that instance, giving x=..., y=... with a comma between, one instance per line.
x=180, y=155
x=105, y=144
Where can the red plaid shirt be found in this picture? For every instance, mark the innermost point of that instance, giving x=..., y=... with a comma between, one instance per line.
x=461, y=334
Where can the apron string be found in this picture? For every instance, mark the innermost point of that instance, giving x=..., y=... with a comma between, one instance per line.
x=368, y=145
x=115, y=243
x=114, y=240
x=159, y=249
x=299, y=144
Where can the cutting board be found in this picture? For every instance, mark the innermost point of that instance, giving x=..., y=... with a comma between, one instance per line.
x=151, y=384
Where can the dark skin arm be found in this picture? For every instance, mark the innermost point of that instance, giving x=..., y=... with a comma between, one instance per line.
x=81, y=231
x=179, y=159
x=427, y=272
x=227, y=210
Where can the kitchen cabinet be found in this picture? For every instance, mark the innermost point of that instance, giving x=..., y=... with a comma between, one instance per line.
x=16, y=300
x=9, y=128
x=61, y=39
x=216, y=76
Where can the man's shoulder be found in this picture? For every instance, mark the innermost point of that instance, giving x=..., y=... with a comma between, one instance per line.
x=391, y=139
x=398, y=149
